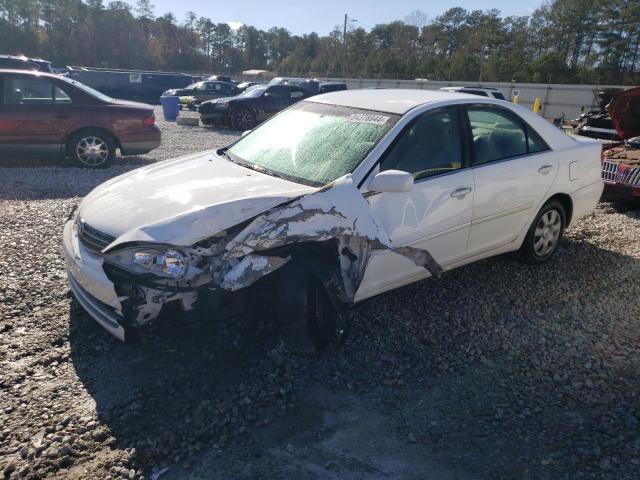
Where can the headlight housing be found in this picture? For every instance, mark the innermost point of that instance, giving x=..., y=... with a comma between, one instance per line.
x=221, y=105
x=161, y=261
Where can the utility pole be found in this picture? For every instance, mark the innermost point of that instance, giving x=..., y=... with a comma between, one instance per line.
x=344, y=42
x=344, y=45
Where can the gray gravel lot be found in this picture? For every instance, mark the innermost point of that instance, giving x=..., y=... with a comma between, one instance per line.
x=497, y=371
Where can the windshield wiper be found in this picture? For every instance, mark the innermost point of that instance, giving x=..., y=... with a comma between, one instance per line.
x=222, y=152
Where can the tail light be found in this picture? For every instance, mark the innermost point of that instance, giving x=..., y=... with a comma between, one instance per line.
x=150, y=120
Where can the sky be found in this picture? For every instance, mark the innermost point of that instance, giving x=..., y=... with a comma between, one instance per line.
x=321, y=16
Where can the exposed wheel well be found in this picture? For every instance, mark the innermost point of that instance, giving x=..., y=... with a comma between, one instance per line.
x=566, y=202
x=101, y=129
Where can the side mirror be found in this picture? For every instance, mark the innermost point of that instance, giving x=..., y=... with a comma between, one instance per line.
x=245, y=133
x=391, y=181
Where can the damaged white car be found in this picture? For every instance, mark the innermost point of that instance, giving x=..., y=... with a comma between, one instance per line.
x=338, y=198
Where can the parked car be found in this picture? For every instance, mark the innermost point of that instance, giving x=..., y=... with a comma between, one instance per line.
x=286, y=81
x=246, y=85
x=339, y=198
x=43, y=113
x=482, y=91
x=598, y=123
x=245, y=111
x=203, y=91
x=316, y=87
x=24, y=63
x=621, y=160
x=220, y=78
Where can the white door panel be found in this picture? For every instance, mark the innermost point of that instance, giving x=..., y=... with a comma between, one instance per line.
x=507, y=194
x=427, y=217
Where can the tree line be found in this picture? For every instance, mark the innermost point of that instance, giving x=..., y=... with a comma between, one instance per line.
x=563, y=41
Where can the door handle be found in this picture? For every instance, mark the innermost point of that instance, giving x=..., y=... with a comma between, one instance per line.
x=62, y=116
x=545, y=169
x=461, y=192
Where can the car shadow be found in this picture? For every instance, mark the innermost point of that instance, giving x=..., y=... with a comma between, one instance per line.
x=464, y=374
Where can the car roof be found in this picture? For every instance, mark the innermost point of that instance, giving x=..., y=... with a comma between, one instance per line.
x=36, y=73
x=24, y=59
x=396, y=101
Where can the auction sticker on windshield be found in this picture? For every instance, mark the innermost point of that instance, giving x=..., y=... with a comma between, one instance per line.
x=368, y=118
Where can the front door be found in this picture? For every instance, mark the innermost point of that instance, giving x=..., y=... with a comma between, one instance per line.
x=34, y=115
x=513, y=169
x=436, y=214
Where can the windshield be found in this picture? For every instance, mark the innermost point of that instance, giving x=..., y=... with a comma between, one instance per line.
x=253, y=92
x=313, y=143
x=192, y=86
x=89, y=90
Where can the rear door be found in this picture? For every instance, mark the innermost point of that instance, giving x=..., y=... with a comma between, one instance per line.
x=34, y=115
x=513, y=169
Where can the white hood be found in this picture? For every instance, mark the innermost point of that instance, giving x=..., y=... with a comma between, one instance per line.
x=182, y=201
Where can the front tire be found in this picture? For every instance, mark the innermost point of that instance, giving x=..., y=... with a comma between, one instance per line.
x=545, y=234
x=243, y=119
x=306, y=314
x=91, y=148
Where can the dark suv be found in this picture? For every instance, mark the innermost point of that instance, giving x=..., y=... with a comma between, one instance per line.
x=245, y=111
x=42, y=113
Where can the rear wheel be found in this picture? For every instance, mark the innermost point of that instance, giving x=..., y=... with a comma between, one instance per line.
x=306, y=314
x=91, y=148
x=545, y=234
x=243, y=119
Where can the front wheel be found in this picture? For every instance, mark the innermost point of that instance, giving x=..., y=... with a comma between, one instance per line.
x=307, y=317
x=545, y=234
x=243, y=119
x=91, y=149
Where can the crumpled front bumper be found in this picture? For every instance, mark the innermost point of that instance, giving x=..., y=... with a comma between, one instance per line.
x=89, y=284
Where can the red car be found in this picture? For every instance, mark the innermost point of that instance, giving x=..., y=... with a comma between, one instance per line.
x=42, y=113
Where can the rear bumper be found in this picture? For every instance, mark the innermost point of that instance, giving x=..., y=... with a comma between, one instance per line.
x=138, y=148
x=141, y=142
x=214, y=117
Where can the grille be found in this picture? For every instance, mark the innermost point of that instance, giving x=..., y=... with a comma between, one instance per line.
x=609, y=171
x=633, y=177
x=91, y=238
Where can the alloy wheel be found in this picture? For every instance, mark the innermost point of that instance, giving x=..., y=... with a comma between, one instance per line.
x=243, y=120
x=547, y=233
x=92, y=151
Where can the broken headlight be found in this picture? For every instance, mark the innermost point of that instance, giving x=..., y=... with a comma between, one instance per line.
x=160, y=261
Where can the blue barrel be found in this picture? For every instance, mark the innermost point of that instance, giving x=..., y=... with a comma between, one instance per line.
x=170, y=108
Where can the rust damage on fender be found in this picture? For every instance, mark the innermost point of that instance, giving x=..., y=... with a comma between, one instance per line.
x=337, y=216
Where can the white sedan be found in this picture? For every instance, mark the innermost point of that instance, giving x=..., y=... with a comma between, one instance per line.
x=338, y=198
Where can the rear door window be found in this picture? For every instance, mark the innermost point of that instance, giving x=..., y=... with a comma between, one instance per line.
x=496, y=135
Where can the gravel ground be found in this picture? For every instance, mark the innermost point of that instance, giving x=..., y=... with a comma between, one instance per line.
x=497, y=371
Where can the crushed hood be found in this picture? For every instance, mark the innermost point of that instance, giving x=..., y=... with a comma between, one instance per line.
x=183, y=201
x=624, y=110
